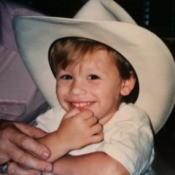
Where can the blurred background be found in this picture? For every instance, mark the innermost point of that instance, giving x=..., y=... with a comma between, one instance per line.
x=157, y=16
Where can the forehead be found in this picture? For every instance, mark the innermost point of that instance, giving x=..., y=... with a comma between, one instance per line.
x=98, y=61
x=96, y=56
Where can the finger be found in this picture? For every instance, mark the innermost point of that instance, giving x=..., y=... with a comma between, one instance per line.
x=97, y=128
x=92, y=121
x=30, y=130
x=14, y=169
x=86, y=114
x=97, y=137
x=72, y=113
x=28, y=160
x=30, y=145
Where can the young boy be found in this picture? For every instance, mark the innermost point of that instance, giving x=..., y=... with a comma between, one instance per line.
x=93, y=83
x=102, y=134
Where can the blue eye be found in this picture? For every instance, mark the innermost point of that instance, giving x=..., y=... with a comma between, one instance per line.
x=66, y=77
x=94, y=77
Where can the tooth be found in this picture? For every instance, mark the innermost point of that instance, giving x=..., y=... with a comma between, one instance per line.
x=81, y=104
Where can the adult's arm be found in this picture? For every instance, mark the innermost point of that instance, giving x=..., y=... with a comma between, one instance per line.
x=18, y=143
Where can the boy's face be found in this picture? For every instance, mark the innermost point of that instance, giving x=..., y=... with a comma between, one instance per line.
x=94, y=84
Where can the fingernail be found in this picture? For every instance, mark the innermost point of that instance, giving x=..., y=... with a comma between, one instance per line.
x=45, y=155
x=48, y=168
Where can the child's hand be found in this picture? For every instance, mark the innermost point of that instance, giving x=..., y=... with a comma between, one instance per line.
x=80, y=128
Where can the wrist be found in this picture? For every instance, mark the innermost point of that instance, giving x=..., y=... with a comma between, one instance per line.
x=63, y=141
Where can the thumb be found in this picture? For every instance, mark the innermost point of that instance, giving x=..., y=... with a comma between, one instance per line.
x=72, y=113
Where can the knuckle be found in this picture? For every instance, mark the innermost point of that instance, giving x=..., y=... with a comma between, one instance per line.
x=90, y=112
x=100, y=127
x=77, y=119
x=22, y=158
x=23, y=141
x=95, y=120
x=13, y=169
x=5, y=133
x=102, y=136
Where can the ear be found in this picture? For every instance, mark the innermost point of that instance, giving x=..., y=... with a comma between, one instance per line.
x=127, y=86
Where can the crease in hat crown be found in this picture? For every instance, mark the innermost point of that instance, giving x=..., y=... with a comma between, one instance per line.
x=103, y=10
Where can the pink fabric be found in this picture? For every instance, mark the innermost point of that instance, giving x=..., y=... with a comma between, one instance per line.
x=19, y=97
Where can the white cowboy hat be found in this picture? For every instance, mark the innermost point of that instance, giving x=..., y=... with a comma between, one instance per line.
x=101, y=20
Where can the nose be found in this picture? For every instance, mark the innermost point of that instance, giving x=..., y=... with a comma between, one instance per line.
x=78, y=87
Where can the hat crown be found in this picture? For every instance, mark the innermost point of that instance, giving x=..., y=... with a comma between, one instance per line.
x=103, y=10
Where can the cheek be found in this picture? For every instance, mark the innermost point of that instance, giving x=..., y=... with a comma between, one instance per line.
x=113, y=93
x=60, y=91
x=105, y=94
x=61, y=94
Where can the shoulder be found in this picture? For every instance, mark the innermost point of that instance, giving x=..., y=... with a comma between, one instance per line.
x=129, y=138
x=132, y=112
x=130, y=117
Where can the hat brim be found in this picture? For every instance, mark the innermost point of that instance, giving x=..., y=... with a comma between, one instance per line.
x=148, y=55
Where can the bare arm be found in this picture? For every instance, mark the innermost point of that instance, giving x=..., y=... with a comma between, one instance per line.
x=97, y=163
x=17, y=142
x=77, y=129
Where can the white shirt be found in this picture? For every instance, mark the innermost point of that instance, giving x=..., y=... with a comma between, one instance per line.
x=128, y=137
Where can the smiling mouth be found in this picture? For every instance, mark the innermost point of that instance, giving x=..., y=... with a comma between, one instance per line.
x=80, y=105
